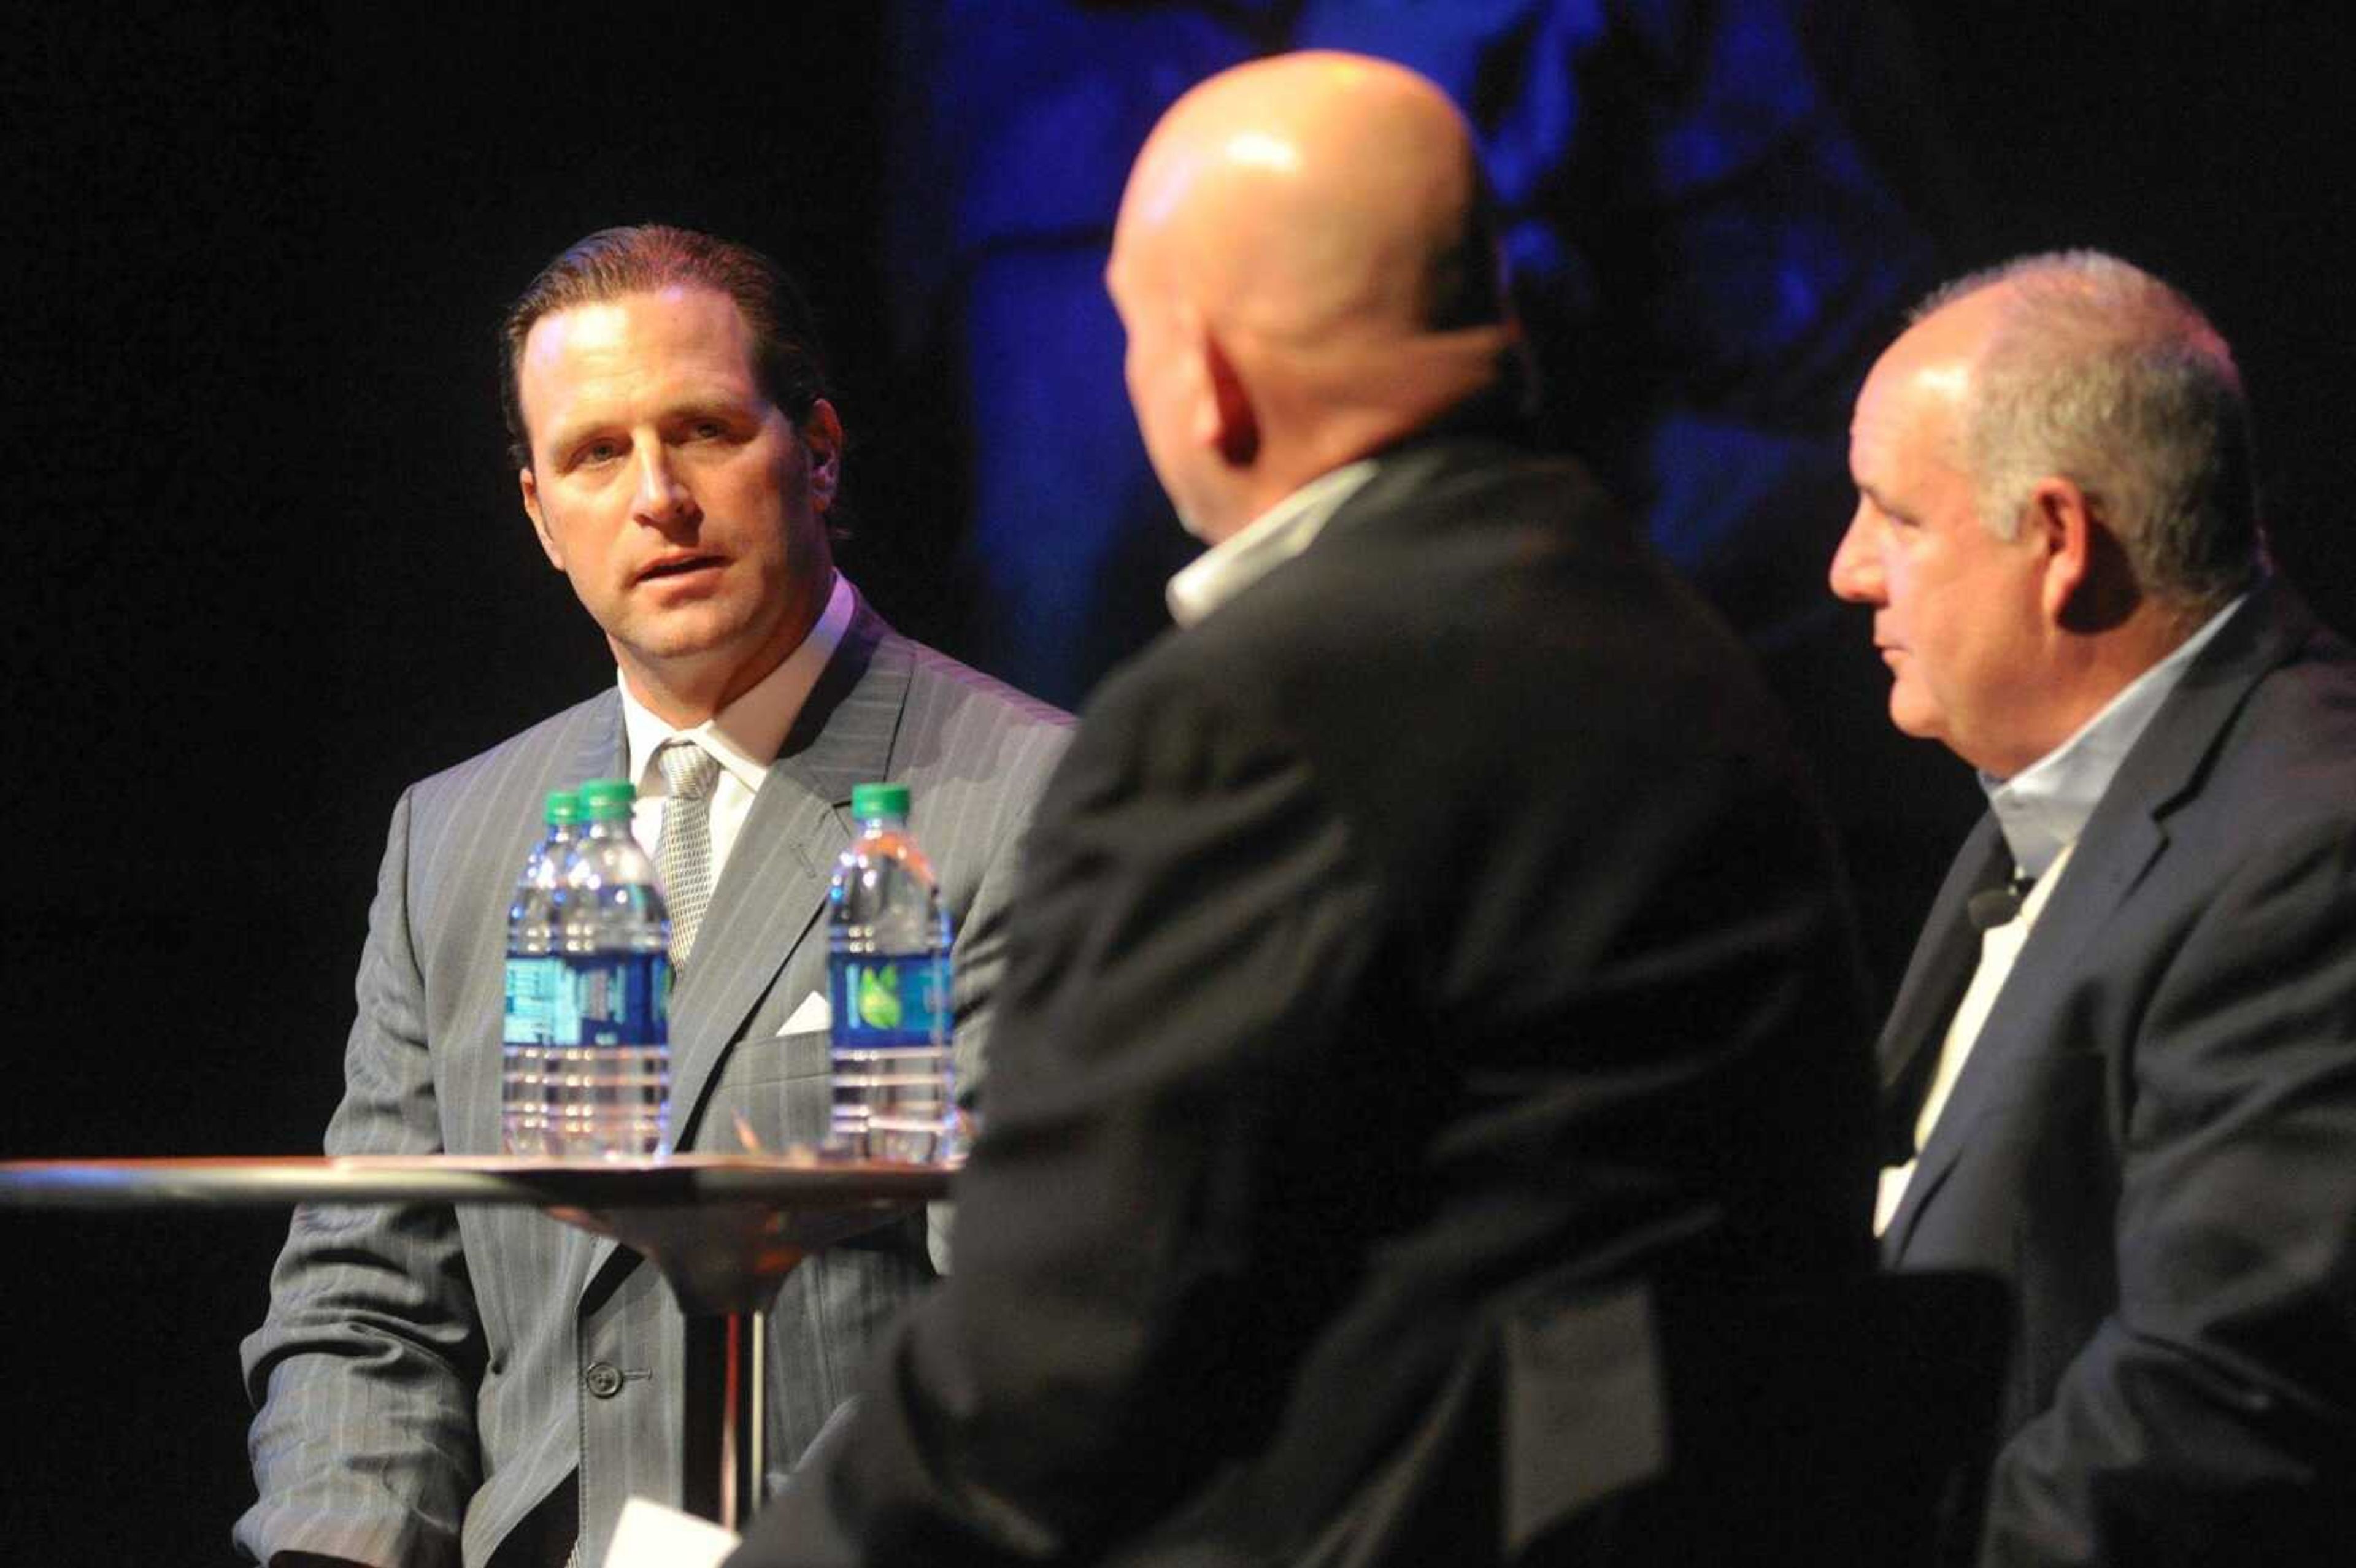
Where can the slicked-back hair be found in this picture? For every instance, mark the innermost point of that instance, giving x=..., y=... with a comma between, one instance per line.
x=645, y=257
x=2100, y=373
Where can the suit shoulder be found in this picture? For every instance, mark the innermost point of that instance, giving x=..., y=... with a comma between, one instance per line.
x=1498, y=585
x=1462, y=544
x=978, y=751
x=943, y=684
x=526, y=753
x=2318, y=686
x=965, y=725
x=2298, y=726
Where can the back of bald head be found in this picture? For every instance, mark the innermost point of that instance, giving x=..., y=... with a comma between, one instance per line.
x=1326, y=215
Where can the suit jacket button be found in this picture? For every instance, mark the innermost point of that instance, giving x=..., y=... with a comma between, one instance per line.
x=604, y=1378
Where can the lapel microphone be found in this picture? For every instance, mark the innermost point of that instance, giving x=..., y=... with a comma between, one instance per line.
x=1992, y=907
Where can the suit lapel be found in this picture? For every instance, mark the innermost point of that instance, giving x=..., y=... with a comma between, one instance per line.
x=2124, y=837
x=2109, y=860
x=1936, y=978
x=772, y=889
x=597, y=752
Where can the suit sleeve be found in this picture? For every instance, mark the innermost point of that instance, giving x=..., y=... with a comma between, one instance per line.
x=363, y=1373
x=1192, y=913
x=2217, y=1403
x=981, y=844
x=981, y=917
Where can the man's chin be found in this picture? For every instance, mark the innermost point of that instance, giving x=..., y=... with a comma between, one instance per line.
x=678, y=649
x=1911, y=717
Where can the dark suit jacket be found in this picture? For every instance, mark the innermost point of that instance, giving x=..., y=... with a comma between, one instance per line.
x=2154, y=1138
x=425, y=1379
x=1428, y=965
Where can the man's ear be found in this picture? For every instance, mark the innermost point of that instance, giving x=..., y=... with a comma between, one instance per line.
x=530, y=488
x=1225, y=420
x=821, y=433
x=2059, y=524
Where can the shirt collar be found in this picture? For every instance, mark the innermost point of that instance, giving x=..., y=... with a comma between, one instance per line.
x=2042, y=808
x=1267, y=542
x=744, y=736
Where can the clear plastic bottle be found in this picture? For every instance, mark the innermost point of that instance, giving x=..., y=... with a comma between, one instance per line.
x=535, y=973
x=612, y=1097
x=888, y=992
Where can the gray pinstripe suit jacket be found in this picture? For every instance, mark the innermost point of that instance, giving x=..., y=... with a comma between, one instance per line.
x=423, y=1377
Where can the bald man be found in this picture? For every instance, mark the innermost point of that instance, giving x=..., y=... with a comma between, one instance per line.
x=1429, y=997
x=2121, y=1071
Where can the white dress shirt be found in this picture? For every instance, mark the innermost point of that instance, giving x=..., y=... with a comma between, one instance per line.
x=2000, y=947
x=1262, y=545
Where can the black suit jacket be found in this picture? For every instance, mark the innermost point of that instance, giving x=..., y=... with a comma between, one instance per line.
x=1429, y=974
x=2154, y=1138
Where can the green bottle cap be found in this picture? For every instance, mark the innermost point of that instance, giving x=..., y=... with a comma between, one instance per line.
x=563, y=806
x=605, y=800
x=879, y=800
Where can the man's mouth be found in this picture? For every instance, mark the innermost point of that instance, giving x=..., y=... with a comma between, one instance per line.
x=677, y=566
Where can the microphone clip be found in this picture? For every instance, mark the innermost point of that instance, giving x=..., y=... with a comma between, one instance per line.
x=1999, y=905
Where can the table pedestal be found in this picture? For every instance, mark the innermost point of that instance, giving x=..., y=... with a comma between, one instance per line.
x=724, y=1260
x=723, y=1444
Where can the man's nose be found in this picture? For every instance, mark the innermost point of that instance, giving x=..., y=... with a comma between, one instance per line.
x=1856, y=573
x=663, y=497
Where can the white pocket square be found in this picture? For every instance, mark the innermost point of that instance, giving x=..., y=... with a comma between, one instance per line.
x=810, y=1017
x=649, y=1535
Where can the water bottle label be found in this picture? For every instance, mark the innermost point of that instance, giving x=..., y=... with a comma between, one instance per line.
x=890, y=999
x=616, y=999
x=531, y=1007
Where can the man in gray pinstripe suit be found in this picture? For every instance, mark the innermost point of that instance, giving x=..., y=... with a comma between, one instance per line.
x=489, y=1385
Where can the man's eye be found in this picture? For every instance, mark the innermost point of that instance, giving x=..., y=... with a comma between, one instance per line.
x=708, y=430
x=599, y=452
x=1883, y=514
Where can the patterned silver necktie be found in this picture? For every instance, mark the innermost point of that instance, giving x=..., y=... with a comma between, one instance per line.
x=684, y=857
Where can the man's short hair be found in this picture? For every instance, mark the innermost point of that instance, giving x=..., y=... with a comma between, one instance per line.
x=2100, y=373
x=645, y=257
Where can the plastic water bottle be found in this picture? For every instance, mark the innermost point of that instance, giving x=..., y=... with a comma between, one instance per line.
x=535, y=974
x=888, y=992
x=612, y=1098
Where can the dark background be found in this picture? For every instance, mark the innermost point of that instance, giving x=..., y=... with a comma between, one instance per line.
x=266, y=565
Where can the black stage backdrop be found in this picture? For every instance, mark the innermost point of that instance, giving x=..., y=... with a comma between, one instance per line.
x=264, y=562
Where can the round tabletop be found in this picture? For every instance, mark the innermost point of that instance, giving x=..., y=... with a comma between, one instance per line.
x=724, y=1228
x=797, y=1177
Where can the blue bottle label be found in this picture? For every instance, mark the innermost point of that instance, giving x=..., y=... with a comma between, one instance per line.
x=532, y=1005
x=889, y=998
x=616, y=999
